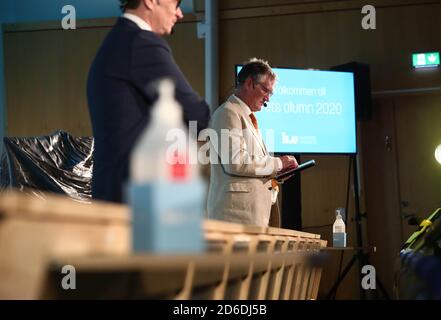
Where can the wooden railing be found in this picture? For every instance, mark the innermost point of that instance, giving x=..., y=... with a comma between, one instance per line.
x=40, y=237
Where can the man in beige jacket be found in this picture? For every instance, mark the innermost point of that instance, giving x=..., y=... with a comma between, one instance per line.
x=241, y=186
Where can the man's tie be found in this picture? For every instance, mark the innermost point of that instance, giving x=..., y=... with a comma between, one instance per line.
x=274, y=183
x=254, y=121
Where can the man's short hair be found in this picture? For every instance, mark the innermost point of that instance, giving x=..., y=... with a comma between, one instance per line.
x=128, y=4
x=256, y=69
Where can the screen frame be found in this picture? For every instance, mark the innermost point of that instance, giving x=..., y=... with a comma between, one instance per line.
x=236, y=66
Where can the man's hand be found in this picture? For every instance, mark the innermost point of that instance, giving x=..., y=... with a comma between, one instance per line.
x=289, y=162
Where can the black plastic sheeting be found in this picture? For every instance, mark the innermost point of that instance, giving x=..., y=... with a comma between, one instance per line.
x=58, y=163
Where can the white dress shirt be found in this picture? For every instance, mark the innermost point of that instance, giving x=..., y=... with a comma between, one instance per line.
x=139, y=22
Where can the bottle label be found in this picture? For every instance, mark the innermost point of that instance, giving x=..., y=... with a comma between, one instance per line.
x=179, y=171
x=179, y=167
x=339, y=239
x=164, y=224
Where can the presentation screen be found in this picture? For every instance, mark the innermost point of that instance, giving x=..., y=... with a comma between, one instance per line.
x=310, y=111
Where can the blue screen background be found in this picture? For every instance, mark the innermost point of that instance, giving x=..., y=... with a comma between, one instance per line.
x=310, y=111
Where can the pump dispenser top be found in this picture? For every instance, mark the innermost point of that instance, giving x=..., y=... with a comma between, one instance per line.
x=148, y=160
x=166, y=109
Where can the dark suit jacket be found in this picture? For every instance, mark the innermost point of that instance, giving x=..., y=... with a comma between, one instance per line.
x=120, y=96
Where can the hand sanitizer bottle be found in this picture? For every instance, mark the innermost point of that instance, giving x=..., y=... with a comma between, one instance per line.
x=339, y=230
x=166, y=194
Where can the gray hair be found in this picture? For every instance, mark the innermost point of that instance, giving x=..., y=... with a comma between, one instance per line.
x=256, y=69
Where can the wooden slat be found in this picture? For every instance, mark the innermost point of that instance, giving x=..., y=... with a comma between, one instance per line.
x=202, y=267
x=15, y=204
x=288, y=232
x=80, y=24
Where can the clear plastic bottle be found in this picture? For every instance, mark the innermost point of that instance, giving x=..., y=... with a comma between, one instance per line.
x=339, y=229
x=161, y=152
x=166, y=194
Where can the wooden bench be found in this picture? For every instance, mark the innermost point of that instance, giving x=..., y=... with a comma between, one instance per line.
x=39, y=236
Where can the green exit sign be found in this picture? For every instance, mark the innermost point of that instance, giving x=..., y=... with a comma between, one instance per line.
x=425, y=60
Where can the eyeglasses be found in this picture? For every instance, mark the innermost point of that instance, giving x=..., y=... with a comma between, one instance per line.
x=267, y=91
x=178, y=4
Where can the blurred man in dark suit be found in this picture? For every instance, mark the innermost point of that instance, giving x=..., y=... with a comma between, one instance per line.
x=132, y=57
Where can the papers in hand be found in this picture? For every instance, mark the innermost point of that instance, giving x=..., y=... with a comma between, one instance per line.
x=285, y=175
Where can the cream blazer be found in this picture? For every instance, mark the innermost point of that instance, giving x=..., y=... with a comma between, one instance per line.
x=240, y=187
